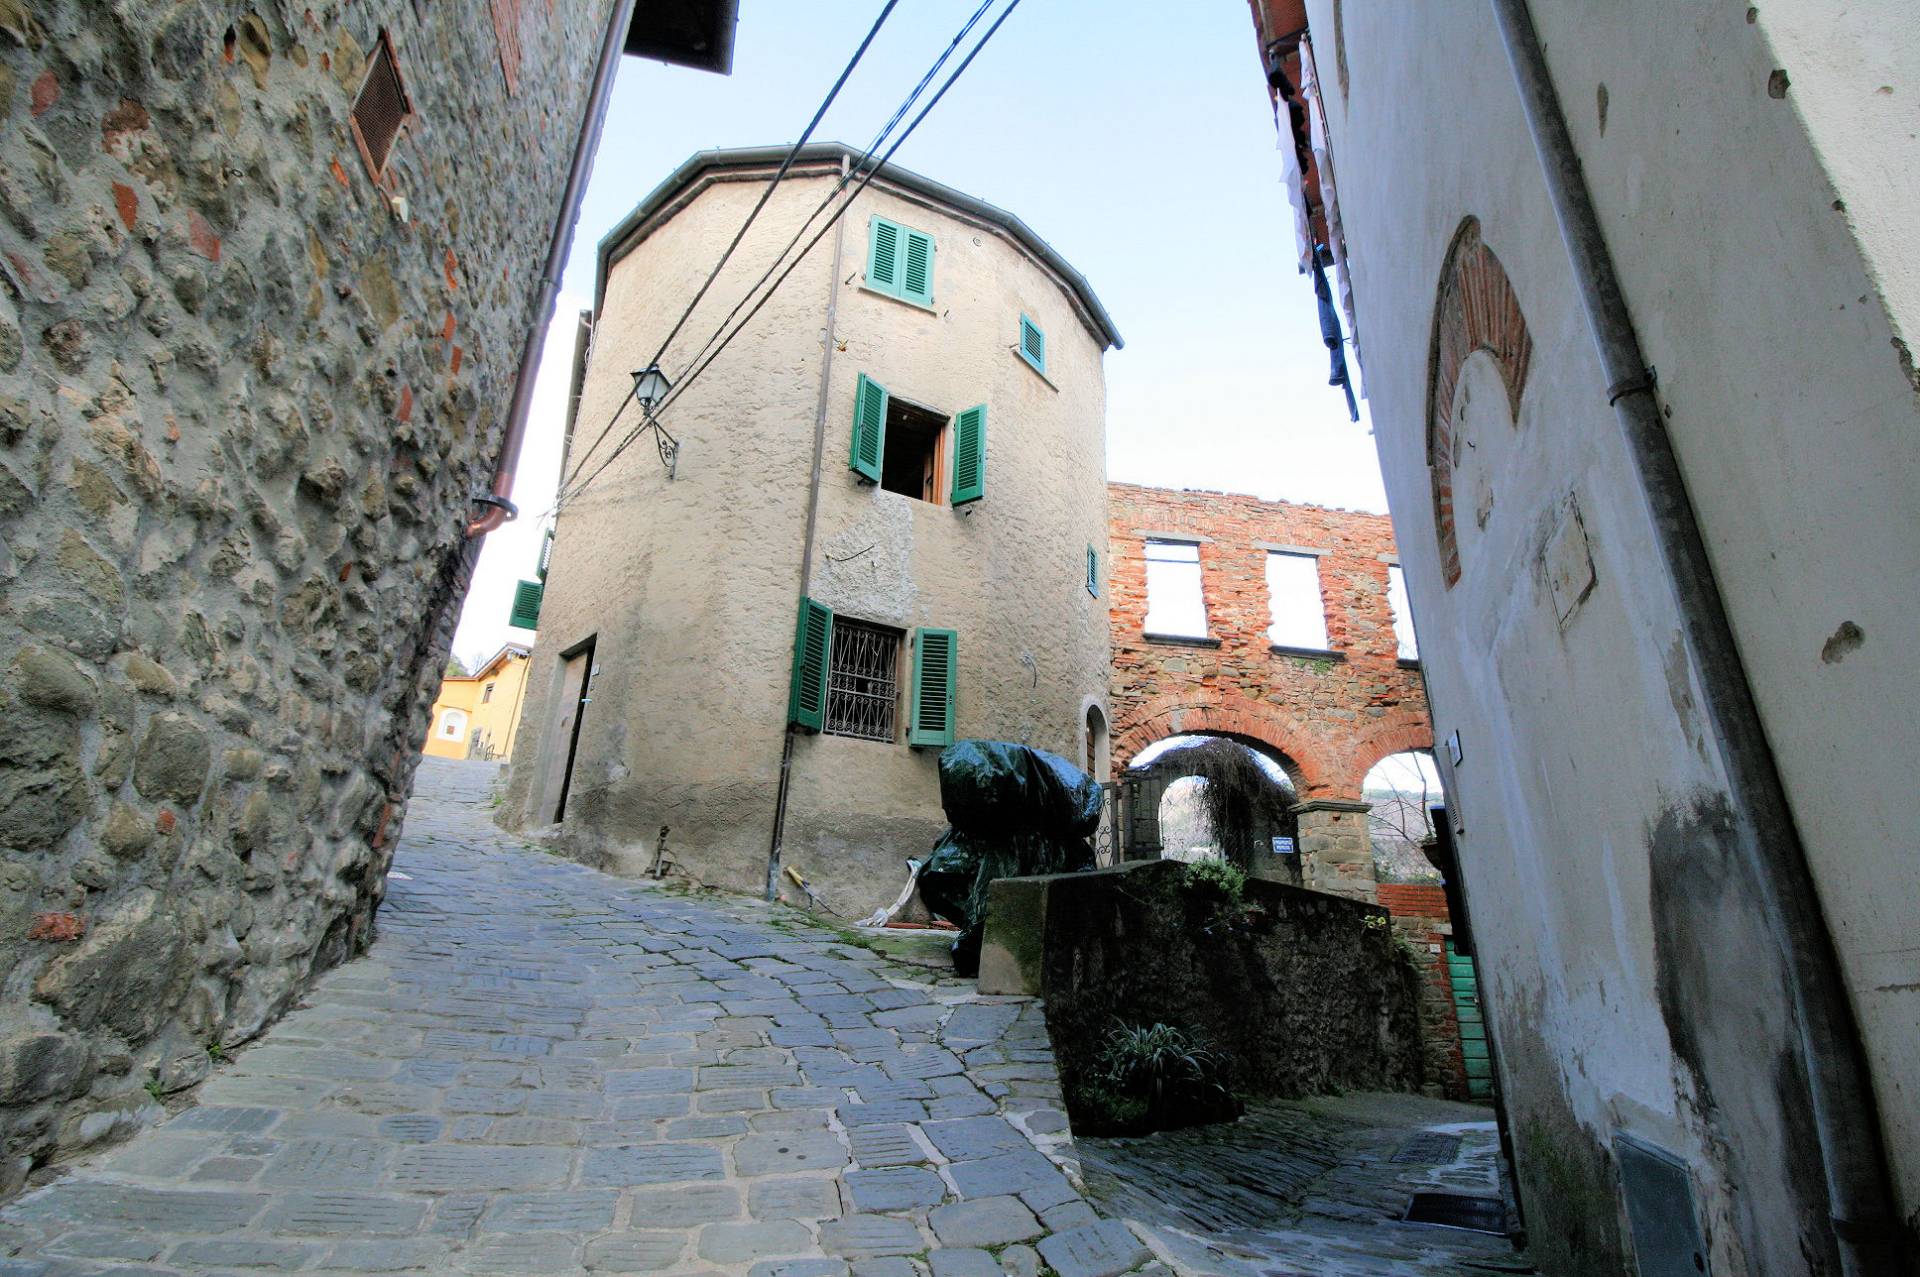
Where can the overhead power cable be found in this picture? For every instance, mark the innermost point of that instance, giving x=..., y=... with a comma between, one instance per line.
x=694, y=375
x=767, y=194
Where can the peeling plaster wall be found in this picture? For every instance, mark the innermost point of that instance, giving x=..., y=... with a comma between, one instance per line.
x=1763, y=229
x=691, y=584
x=243, y=405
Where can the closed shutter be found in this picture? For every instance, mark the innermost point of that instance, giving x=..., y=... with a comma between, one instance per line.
x=935, y=658
x=970, y=455
x=869, y=428
x=1033, y=344
x=526, y=605
x=916, y=270
x=883, y=255
x=812, y=657
x=1093, y=572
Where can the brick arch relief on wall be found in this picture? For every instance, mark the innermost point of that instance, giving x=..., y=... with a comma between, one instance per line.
x=1476, y=310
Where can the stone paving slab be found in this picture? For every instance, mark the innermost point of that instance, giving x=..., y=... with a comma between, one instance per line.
x=540, y=1069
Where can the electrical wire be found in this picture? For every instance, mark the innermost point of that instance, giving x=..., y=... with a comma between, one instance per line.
x=741, y=234
x=694, y=375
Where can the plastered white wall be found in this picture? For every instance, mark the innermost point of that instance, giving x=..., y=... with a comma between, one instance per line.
x=691, y=584
x=1761, y=305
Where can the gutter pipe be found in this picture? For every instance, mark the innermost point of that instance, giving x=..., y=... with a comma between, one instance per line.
x=499, y=499
x=1846, y=1121
x=813, y=520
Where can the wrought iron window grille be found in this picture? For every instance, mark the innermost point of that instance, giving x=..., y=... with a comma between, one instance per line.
x=863, y=685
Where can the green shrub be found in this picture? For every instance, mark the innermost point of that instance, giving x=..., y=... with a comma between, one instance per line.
x=1148, y=1061
x=1218, y=875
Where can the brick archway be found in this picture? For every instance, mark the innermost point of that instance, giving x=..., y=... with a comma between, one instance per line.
x=1384, y=742
x=1198, y=714
x=1476, y=310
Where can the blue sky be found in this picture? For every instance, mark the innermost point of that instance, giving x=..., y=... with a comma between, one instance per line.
x=1139, y=143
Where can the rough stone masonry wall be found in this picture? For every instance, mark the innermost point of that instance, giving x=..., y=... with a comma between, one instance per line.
x=1421, y=918
x=1333, y=718
x=243, y=405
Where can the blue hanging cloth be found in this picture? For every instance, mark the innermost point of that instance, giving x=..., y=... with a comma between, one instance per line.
x=1330, y=329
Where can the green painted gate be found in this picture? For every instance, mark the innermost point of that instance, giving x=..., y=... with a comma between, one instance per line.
x=1473, y=1027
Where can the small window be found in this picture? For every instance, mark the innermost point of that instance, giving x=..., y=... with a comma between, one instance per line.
x=1293, y=592
x=863, y=681
x=1408, y=646
x=1176, y=606
x=914, y=460
x=381, y=109
x=900, y=261
x=486, y=693
x=453, y=724
x=1093, y=572
x=1033, y=345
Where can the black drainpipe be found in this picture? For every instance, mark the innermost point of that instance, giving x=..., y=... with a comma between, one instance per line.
x=1865, y=1231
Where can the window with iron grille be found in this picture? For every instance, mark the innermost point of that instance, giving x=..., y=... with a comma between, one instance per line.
x=381, y=109
x=863, y=684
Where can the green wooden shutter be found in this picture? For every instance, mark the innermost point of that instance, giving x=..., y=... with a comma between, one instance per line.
x=812, y=654
x=869, y=428
x=916, y=267
x=935, y=674
x=1093, y=572
x=526, y=605
x=1033, y=344
x=883, y=255
x=970, y=455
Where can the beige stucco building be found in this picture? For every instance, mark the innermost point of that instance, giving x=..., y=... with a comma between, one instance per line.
x=900, y=461
x=1665, y=618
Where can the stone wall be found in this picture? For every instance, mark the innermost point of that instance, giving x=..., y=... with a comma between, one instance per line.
x=1308, y=993
x=1420, y=917
x=243, y=403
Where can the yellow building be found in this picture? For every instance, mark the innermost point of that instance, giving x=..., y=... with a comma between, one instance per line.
x=475, y=716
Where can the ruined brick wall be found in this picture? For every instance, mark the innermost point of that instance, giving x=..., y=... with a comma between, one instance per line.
x=1332, y=717
x=1420, y=917
x=243, y=405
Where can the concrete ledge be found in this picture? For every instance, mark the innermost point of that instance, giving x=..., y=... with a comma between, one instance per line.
x=1013, y=942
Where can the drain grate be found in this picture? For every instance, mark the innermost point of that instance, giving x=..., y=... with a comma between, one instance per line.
x=1429, y=1148
x=1458, y=1210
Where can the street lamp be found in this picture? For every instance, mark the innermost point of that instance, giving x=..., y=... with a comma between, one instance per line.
x=650, y=386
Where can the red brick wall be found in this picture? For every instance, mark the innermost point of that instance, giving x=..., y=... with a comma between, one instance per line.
x=1332, y=720
x=1420, y=915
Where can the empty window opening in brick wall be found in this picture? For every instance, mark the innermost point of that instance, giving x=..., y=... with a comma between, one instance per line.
x=1176, y=606
x=1407, y=647
x=863, y=682
x=381, y=110
x=1299, y=613
x=915, y=461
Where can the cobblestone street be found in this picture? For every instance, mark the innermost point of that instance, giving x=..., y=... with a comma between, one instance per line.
x=540, y=1069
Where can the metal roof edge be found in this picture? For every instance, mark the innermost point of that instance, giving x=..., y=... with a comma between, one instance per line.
x=620, y=240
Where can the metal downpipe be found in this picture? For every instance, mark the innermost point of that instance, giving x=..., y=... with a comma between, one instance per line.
x=1865, y=1229
x=499, y=498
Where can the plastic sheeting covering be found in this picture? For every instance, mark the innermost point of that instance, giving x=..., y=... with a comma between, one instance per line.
x=1014, y=811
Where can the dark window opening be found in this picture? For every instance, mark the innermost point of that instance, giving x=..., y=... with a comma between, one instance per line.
x=381, y=109
x=863, y=683
x=915, y=457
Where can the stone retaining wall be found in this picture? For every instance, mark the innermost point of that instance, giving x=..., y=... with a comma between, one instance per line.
x=245, y=396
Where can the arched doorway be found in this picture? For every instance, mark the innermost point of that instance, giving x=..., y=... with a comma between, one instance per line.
x=1170, y=811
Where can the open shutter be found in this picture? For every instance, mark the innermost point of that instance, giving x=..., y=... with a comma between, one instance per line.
x=935, y=661
x=916, y=267
x=869, y=428
x=526, y=605
x=812, y=653
x=883, y=255
x=970, y=455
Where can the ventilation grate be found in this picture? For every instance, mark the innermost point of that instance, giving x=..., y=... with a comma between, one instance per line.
x=1429, y=1148
x=381, y=109
x=1458, y=1210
